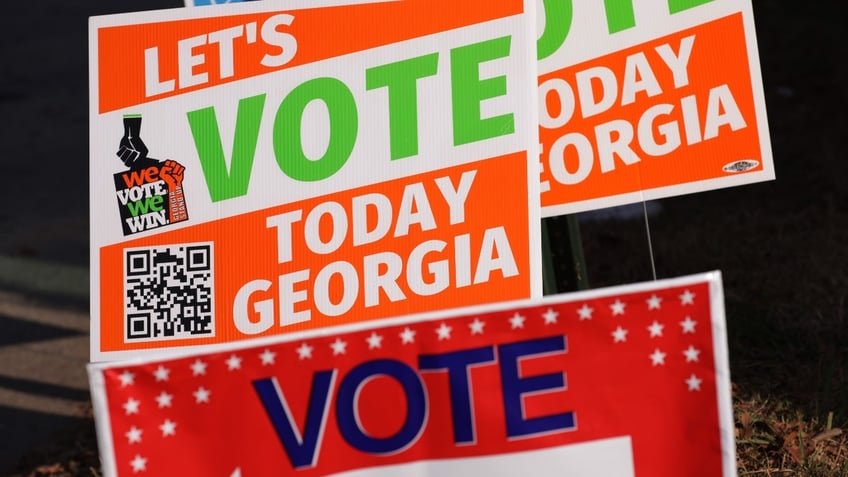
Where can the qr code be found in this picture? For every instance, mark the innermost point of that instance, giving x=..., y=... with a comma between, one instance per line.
x=168, y=292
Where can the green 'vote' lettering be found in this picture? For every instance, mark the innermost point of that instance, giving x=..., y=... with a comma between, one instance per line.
x=400, y=79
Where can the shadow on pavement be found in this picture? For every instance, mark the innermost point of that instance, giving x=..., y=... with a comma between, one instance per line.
x=43, y=351
x=17, y=332
x=44, y=389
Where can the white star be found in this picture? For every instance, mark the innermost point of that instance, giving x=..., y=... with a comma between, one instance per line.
x=169, y=428
x=655, y=329
x=131, y=406
x=233, y=362
x=161, y=373
x=444, y=331
x=127, y=378
x=134, y=435
x=407, y=335
x=550, y=316
x=374, y=340
x=476, y=326
x=691, y=354
x=619, y=335
x=198, y=367
x=304, y=351
x=164, y=399
x=687, y=298
x=694, y=383
x=267, y=357
x=139, y=463
x=339, y=346
x=617, y=307
x=585, y=312
x=517, y=321
x=688, y=325
x=654, y=302
x=201, y=395
x=657, y=357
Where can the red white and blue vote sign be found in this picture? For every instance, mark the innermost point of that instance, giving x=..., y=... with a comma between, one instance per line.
x=624, y=381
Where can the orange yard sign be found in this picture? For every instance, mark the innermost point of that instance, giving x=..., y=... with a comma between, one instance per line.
x=679, y=113
x=252, y=174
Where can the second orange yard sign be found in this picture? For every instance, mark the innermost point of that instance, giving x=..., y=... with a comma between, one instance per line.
x=648, y=99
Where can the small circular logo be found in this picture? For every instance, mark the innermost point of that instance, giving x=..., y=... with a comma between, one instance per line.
x=740, y=166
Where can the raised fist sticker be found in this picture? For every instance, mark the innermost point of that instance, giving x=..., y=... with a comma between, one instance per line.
x=150, y=192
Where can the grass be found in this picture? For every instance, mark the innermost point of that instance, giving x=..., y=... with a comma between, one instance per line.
x=774, y=439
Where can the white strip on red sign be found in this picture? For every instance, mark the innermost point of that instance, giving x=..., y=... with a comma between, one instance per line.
x=648, y=99
x=624, y=381
x=258, y=170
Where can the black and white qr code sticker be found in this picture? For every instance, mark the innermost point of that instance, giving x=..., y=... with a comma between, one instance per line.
x=168, y=292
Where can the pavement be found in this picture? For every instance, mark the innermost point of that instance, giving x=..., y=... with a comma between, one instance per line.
x=43, y=351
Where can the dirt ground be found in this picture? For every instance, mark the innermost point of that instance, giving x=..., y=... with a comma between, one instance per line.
x=782, y=246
